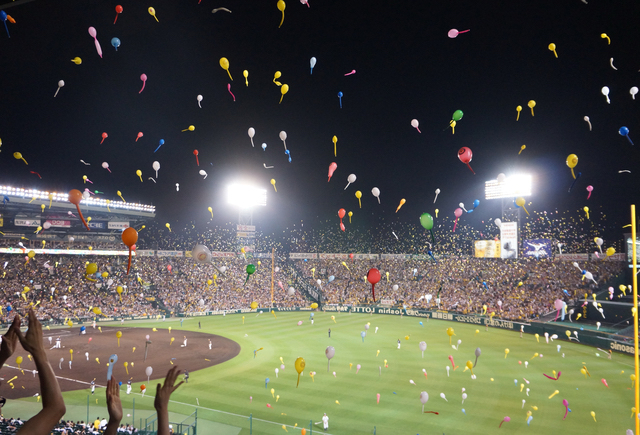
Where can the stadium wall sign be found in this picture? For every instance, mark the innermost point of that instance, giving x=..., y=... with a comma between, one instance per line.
x=170, y=253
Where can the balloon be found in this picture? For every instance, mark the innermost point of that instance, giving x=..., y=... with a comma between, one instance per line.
x=245, y=73
x=224, y=64
x=199, y=98
x=313, y=306
x=589, y=189
x=457, y=115
x=350, y=179
x=75, y=196
x=376, y=192
x=332, y=167
x=359, y=195
x=633, y=91
x=115, y=42
x=254, y=305
x=465, y=155
x=299, y=364
x=281, y=6
x=329, y=352
x=436, y=198
x=94, y=35
x=143, y=77
x=586, y=210
x=518, y=109
x=552, y=47
x=605, y=92
x=457, y=213
x=520, y=203
x=152, y=12
x=415, y=124
x=312, y=62
x=252, y=132
x=340, y=95
x=373, y=276
x=19, y=361
x=426, y=220
x=202, y=254
x=291, y=291
x=283, y=89
x=624, y=131
x=531, y=105
x=402, y=202
x=610, y=251
x=78, y=61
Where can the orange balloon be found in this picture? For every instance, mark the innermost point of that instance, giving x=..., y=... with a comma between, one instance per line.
x=303, y=431
x=129, y=236
x=75, y=196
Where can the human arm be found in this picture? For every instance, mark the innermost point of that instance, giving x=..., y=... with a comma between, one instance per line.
x=53, y=407
x=114, y=406
x=9, y=341
x=161, y=402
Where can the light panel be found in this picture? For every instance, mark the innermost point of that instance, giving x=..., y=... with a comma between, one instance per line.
x=511, y=187
x=246, y=196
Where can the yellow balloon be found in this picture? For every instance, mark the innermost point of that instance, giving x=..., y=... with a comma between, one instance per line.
x=209, y=282
x=586, y=210
x=119, y=290
x=70, y=323
x=168, y=226
x=313, y=306
x=245, y=73
x=119, y=334
x=273, y=183
x=19, y=360
x=242, y=250
x=300, y=364
x=31, y=254
x=210, y=211
x=610, y=252
x=277, y=75
x=572, y=160
x=105, y=274
x=281, y=5
x=97, y=311
x=224, y=64
x=91, y=268
x=568, y=333
x=254, y=305
x=76, y=60
x=450, y=332
x=283, y=90
x=552, y=47
x=139, y=174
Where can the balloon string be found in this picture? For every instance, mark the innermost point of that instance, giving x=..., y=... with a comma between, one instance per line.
x=500, y=425
x=627, y=135
x=455, y=224
x=82, y=217
x=128, y=265
x=143, y=83
x=5, y=24
x=469, y=166
x=589, y=195
x=431, y=412
x=234, y=97
x=229, y=74
x=373, y=291
x=574, y=175
x=114, y=21
x=34, y=172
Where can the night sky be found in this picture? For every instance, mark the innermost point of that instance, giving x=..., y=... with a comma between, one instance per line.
x=406, y=67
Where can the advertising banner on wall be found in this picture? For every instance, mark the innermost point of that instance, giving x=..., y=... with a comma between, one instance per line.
x=487, y=249
x=537, y=248
x=509, y=240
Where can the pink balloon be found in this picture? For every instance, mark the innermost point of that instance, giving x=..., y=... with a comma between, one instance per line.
x=458, y=212
x=143, y=77
x=589, y=189
x=300, y=323
x=332, y=167
x=465, y=155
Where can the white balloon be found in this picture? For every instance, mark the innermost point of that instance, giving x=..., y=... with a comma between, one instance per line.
x=199, y=97
x=498, y=222
x=223, y=269
x=319, y=282
x=291, y=291
x=61, y=83
x=414, y=123
x=501, y=178
x=148, y=371
x=46, y=225
x=375, y=192
x=86, y=195
x=633, y=91
x=156, y=165
x=283, y=135
x=424, y=397
x=395, y=287
x=201, y=254
x=252, y=132
x=312, y=62
x=605, y=91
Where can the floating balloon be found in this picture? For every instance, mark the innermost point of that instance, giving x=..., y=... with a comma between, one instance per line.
x=252, y=132
x=359, y=195
x=457, y=213
x=590, y=189
x=520, y=203
x=375, y=192
x=402, y=202
x=329, y=352
x=60, y=85
x=129, y=238
x=605, y=92
x=531, y=105
x=350, y=179
x=273, y=183
x=115, y=42
x=518, y=109
x=283, y=89
x=453, y=33
x=552, y=47
x=250, y=271
x=94, y=34
x=335, y=143
x=572, y=161
x=312, y=62
x=624, y=131
x=332, y=167
x=300, y=363
x=152, y=12
x=340, y=95
x=415, y=124
x=465, y=155
x=78, y=61
x=373, y=276
x=143, y=77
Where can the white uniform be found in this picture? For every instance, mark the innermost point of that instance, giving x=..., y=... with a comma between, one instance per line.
x=129, y=387
x=209, y=344
x=325, y=422
x=58, y=343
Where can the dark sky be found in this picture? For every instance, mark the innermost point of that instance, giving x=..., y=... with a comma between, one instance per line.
x=407, y=67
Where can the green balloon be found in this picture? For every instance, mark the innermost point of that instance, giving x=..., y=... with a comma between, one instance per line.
x=251, y=269
x=426, y=220
x=457, y=115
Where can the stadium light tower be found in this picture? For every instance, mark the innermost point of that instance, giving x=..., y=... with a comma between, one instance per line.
x=246, y=198
x=507, y=189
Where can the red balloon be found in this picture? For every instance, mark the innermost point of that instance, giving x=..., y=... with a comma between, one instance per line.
x=351, y=256
x=373, y=276
x=119, y=9
x=342, y=226
x=195, y=153
x=169, y=268
x=341, y=213
x=75, y=196
x=465, y=155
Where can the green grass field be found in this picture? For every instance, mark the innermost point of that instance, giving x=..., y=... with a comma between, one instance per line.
x=492, y=396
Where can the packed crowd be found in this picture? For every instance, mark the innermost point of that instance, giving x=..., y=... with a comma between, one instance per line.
x=526, y=288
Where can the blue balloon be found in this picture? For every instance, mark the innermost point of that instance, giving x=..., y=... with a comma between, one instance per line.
x=362, y=334
x=331, y=278
x=83, y=328
x=584, y=272
x=9, y=308
x=623, y=131
x=264, y=147
x=340, y=94
x=3, y=16
x=116, y=43
x=312, y=314
x=476, y=203
x=421, y=324
x=120, y=384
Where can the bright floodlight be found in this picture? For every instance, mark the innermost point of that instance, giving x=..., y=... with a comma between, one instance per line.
x=513, y=186
x=246, y=196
